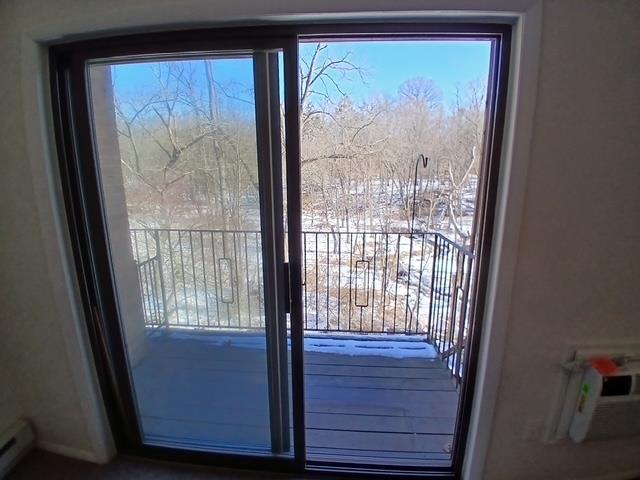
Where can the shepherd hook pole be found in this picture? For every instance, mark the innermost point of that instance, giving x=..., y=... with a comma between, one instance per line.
x=425, y=162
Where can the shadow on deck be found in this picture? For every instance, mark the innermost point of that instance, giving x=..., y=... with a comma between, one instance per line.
x=387, y=401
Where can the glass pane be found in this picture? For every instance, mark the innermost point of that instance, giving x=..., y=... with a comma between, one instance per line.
x=391, y=139
x=178, y=161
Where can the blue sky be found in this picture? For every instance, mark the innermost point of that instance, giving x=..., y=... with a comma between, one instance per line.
x=234, y=73
x=387, y=65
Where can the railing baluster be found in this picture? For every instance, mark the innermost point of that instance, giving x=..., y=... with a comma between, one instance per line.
x=326, y=327
x=432, y=288
x=258, y=278
x=306, y=300
x=149, y=281
x=435, y=288
x=454, y=303
x=350, y=278
x=195, y=277
x=443, y=294
x=224, y=255
x=154, y=290
x=184, y=281
x=420, y=283
x=204, y=277
x=237, y=279
x=385, y=279
x=148, y=312
x=165, y=313
x=440, y=291
x=373, y=283
x=156, y=293
x=406, y=307
x=138, y=262
x=451, y=287
x=148, y=276
x=339, y=278
x=316, y=259
x=246, y=270
x=173, y=278
x=464, y=314
x=364, y=280
x=395, y=300
x=215, y=278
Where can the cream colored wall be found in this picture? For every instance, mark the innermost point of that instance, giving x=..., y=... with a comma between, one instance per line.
x=577, y=269
x=32, y=344
x=46, y=369
x=578, y=263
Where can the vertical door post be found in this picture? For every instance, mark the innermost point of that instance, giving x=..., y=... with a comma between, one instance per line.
x=270, y=184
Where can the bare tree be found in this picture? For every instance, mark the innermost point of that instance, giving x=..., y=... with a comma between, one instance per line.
x=422, y=91
x=167, y=158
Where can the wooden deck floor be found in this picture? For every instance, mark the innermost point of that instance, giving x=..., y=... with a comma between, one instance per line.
x=364, y=408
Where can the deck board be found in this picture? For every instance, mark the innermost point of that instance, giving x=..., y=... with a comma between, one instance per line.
x=369, y=361
x=359, y=408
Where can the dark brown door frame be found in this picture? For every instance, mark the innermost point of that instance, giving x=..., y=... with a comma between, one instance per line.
x=83, y=199
x=87, y=227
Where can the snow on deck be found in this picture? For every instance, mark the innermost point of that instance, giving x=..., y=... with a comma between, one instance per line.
x=392, y=346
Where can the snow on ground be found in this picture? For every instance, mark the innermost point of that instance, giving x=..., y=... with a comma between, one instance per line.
x=379, y=348
x=393, y=346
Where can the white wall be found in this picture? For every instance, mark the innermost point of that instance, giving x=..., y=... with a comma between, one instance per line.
x=578, y=265
x=45, y=368
x=31, y=340
x=576, y=262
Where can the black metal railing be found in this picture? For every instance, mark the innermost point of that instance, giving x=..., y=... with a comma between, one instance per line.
x=210, y=278
x=366, y=282
x=450, y=301
x=151, y=290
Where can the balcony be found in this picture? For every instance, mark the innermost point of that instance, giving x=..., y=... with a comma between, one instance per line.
x=385, y=317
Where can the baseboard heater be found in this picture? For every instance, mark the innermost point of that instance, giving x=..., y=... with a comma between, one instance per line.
x=15, y=442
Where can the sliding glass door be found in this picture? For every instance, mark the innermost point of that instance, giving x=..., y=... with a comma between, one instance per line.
x=282, y=237
x=188, y=160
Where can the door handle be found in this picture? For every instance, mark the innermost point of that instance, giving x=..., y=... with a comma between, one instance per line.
x=286, y=285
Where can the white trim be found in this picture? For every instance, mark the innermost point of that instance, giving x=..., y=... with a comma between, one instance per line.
x=516, y=150
x=71, y=452
x=58, y=255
